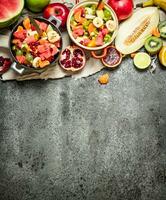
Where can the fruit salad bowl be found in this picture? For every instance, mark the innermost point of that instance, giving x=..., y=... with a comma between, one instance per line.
x=35, y=50
x=91, y=26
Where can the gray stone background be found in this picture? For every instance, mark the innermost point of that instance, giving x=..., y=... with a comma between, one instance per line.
x=76, y=140
x=68, y=139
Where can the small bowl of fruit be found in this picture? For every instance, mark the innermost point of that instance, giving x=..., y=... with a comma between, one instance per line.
x=92, y=26
x=35, y=44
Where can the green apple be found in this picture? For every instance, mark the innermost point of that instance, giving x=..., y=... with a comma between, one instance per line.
x=36, y=5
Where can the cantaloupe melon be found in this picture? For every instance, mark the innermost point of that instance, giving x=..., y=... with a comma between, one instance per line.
x=133, y=32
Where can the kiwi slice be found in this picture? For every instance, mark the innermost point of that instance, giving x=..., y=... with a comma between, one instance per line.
x=153, y=45
x=162, y=29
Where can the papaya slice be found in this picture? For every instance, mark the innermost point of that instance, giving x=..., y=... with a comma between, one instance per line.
x=20, y=28
x=91, y=28
x=43, y=63
x=27, y=23
x=79, y=9
x=42, y=41
x=101, y=6
x=155, y=32
x=77, y=27
x=92, y=43
x=78, y=17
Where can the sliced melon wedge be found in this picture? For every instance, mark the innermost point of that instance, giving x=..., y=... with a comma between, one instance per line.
x=134, y=31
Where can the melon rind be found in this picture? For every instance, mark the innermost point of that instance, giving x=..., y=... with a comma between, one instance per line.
x=128, y=28
x=12, y=19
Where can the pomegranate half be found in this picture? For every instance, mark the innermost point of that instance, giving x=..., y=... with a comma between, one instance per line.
x=72, y=58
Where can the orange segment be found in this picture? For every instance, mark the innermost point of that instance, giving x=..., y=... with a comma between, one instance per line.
x=162, y=56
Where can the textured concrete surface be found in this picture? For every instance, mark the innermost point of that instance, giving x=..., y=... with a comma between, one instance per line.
x=76, y=140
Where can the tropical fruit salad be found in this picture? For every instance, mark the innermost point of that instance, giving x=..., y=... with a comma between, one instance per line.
x=93, y=26
x=32, y=49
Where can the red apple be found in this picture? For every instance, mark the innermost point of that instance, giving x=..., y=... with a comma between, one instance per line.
x=59, y=10
x=122, y=8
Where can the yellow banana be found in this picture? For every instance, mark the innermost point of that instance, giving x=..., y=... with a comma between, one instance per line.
x=159, y=3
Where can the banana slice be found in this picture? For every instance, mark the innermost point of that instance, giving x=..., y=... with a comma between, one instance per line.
x=53, y=36
x=88, y=11
x=111, y=25
x=31, y=33
x=36, y=62
x=89, y=16
x=49, y=28
x=98, y=22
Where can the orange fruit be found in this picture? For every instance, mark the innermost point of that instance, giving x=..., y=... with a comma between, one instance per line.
x=162, y=56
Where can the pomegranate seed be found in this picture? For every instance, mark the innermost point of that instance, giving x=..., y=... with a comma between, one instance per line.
x=73, y=62
x=68, y=64
x=63, y=61
x=67, y=52
x=1, y=60
x=78, y=52
x=80, y=59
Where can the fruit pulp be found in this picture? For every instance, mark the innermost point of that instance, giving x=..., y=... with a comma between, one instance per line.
x=162, y=56
x=112, y=57
x=142, y=60
x=72, y=59
x=92, y=27
x=33, y=50
x=153, y=45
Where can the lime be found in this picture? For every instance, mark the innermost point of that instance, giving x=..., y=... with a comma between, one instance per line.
x=162, y=56
x=142, y=60
x=36, y=5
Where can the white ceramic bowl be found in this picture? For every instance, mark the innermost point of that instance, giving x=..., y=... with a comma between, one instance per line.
x=70, y=31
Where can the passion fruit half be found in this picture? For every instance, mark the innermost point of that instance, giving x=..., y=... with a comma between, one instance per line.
x=113, y=57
